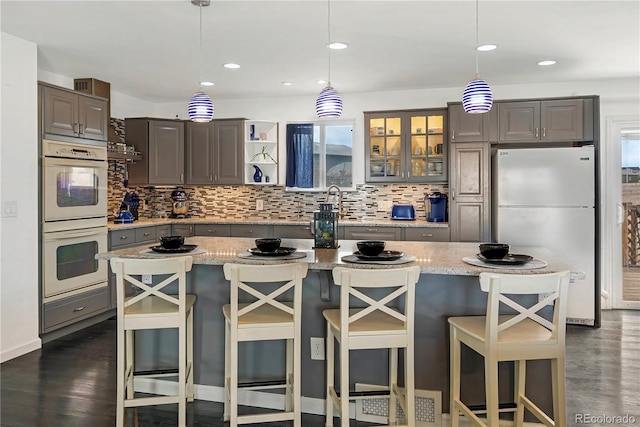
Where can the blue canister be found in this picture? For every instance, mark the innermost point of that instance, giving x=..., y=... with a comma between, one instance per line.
x=436, y=203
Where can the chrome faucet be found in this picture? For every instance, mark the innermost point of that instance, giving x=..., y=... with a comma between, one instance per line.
x=341, y=212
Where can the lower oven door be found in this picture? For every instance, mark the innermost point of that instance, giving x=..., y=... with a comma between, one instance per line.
x=74, y=189
x=69, y=260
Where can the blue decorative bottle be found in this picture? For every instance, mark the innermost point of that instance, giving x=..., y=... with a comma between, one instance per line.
x=257, y=177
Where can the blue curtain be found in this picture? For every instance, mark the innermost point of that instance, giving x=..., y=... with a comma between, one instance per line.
x=300, y=155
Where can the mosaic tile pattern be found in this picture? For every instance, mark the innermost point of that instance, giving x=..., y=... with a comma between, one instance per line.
x=239, y=201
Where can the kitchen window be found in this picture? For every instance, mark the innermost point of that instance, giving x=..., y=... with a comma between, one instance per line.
x=319, y=154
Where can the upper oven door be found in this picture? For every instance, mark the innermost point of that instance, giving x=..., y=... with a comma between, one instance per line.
x=74, y=189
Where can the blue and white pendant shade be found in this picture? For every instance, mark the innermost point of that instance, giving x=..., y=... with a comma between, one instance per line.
x=477, y=97
x=329, y=103
x=201, y=108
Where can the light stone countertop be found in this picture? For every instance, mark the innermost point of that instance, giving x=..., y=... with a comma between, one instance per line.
x=432, y=257
x=145, y=222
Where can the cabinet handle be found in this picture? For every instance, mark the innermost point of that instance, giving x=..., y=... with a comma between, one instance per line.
x=79, y=308
x=453, y=134
x=181, y=177
x=81, y=131
x=544, y=132
x=75, y=128
x=371, y=229
x=248, y=232
x=408, y=174
x=147, y=234
x=306, y=228
x=427, y=235
x=123, y=237
x=211, y=230
x=537, y=133
x=453, y=194
x=211, y=178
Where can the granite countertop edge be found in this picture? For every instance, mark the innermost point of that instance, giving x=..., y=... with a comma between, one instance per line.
x=147, y=222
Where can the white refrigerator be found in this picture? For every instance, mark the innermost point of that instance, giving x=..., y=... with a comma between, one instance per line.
x=546, y=197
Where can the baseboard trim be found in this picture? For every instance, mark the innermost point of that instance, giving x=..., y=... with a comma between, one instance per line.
x=20, y=350
x=310, y=405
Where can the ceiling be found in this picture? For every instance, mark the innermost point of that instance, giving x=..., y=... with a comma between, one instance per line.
x=150, y=49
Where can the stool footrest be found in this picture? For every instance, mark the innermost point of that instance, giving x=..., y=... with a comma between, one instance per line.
x=367, y=393
x=156, y=372
x=475, y=408
x=264, y=383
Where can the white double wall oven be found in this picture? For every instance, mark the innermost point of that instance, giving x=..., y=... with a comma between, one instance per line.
x=74, y=218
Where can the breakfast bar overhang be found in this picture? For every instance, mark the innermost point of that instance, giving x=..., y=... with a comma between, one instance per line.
x=447, y=287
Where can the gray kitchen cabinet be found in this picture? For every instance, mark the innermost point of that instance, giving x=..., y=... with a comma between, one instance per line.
x=186, y=230
x=372, y=233
x=163, y=230
x=406, y=146
x=250, y=230
x=213, y=230
x=122, y=238
x=66, y=311
x=214, y=152
x=465, y=127
x=427, y=234
x=161, y=145
x=469, y=198
x=541, y=121
x=293, y=231
x=72, y=114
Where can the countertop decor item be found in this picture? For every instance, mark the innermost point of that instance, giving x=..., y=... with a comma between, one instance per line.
x=257, y=177
x=171, y=242
x=264, y=153
x=477, y=97
x=200, y=105
x=371, y=248
x=403, y=212
x=493, y=250
x=268, y=244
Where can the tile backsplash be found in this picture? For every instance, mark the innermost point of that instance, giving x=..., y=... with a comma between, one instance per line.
x=240, y=201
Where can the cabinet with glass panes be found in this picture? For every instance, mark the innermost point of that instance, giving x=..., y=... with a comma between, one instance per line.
x=405, y=146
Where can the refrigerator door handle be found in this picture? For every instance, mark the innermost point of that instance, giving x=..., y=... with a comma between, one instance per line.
x=619, y=214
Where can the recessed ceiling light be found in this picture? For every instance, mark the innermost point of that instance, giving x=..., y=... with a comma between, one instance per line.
x=547, y=62
x=338, y=45
x=487, y=47
x=231, y=65
x=321, y=82
x=207, y=83
x=286, y=83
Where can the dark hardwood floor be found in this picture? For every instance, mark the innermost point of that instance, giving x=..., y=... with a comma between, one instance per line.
x=71, y=381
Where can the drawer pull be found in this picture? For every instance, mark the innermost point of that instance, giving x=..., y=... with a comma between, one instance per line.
x=79, y=308
x=372, y=229
x=306, y=228
x=123, y=237
x=427, y=235
x=248, y=232
x=147, y=234
x=211, y=231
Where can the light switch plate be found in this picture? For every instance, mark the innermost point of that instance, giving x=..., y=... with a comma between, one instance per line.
x=9, y=208
x=384, y=205
x=259, y=204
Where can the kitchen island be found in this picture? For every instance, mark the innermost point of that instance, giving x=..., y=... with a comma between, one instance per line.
x=447, y=287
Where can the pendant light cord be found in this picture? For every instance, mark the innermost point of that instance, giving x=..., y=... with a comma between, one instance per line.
x=329, y=40
x=476, y=47
x=200, y=82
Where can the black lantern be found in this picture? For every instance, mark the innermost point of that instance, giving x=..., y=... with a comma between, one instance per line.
x=325, y=226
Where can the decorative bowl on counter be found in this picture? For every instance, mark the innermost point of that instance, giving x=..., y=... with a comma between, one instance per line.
x=494, y=250
x=371, y=247
x=268, y=244
x=171, y=242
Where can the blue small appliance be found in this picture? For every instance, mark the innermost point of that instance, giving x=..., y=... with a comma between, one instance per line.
x=437, y=203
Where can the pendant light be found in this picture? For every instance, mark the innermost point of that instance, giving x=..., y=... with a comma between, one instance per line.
x=329, y=102
x=477, y=97
x=200, y=105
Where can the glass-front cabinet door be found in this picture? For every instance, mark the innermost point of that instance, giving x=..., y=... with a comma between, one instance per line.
x=405, y=146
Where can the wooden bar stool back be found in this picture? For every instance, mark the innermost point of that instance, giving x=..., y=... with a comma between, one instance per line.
x=364, y=322
x=267, y=317
x=518, y=337
x=153, y=307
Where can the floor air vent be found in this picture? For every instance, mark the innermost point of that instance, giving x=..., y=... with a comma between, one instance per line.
x=376, y=410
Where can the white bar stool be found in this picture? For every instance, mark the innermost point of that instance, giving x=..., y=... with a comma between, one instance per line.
x=518, y=337
x=151, y=307
x=266, y=318
x=376, y=325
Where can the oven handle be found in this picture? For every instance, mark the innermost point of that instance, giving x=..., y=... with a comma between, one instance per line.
x=57, y=161
x=70, y=234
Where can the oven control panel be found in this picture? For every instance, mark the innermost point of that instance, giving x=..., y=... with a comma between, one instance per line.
x=73, y=151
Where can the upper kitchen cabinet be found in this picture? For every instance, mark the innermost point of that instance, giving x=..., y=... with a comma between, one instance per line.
x=555, y=120
x=465, y=127
x=261, y=152
x=406, y=146
x=214, y=152
x=72, y=114
x=161, y=145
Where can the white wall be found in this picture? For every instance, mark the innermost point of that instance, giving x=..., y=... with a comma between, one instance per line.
x=18, y=176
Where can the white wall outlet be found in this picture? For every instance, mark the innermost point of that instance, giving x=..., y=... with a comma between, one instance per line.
x=147, y=279
x=317, y=348
x=384, y=205
x=259, y=204
x=9, y=208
